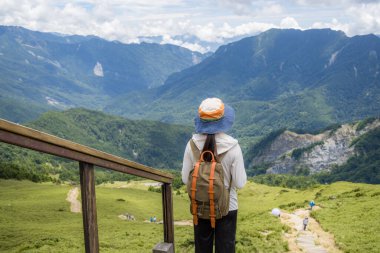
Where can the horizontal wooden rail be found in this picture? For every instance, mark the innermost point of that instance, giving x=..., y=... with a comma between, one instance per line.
x=29, y=138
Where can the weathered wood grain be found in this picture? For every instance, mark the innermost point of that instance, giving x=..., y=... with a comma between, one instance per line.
x=167, y=207
x=90, y=225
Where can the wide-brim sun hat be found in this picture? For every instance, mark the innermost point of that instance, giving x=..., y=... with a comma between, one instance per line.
x=214, y=117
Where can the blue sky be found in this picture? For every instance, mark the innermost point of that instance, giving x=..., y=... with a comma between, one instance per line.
x=209, y=20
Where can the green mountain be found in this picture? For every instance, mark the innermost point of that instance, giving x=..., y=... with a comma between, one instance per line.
x=46, y=70
x=21, y=109
x=151, y=143
x=280, y=78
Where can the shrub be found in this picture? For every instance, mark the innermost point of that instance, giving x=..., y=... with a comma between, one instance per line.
x=362, y=124
x=154, y=189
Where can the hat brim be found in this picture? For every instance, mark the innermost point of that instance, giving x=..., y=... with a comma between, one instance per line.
x=213, y=127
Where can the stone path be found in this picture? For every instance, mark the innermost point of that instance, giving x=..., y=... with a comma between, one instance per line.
x=72, y=197
x=313, y=240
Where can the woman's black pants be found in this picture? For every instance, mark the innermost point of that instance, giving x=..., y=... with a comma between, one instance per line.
x=224, y=233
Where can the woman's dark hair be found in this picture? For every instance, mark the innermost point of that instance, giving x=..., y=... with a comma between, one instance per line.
x=210, y=145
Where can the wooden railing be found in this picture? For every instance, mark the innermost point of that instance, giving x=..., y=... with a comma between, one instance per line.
x=88, y=157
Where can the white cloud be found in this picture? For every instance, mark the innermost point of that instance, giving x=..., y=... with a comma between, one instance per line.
x=289, y=22
x=192, y=46
x=195, y=47
x=209, y=20
x=238, y=6
x=367, y=18
x=218, y=33
x=335, y=2
x=207, y=33
x=272, y=9
x=364, y=19
x=251, y=28
x=254, y=8
x=334, y=24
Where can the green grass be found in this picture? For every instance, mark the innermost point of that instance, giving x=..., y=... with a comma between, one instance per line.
x=351, y=212
x=35, y=217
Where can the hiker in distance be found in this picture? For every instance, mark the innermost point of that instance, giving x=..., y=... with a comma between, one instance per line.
x=312, y=204
x=305, y=222
x=213, y=168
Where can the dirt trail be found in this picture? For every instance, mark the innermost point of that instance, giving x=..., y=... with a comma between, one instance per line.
x=313, y=239
x=183, y=223
x=72, y=197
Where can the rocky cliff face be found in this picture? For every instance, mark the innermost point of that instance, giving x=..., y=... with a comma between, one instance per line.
x=291, y=152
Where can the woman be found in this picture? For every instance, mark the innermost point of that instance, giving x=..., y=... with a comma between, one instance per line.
x=213, y=120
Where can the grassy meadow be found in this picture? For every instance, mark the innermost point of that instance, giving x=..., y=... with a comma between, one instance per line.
x=35, y=217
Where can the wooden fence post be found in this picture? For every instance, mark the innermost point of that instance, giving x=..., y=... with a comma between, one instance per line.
x=90, y=226
x=167, y=207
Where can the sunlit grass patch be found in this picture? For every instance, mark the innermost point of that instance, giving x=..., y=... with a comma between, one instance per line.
x=37, y=218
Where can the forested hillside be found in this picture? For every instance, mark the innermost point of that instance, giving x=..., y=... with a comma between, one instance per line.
x=349, y=152
x=151, y=143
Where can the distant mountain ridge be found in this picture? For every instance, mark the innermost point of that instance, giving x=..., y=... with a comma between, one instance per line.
x=50, y=71
x=280, y=78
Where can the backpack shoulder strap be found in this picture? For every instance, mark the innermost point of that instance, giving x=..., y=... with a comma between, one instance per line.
x=197, y=153
x=195, y=150
x=220, y=157
x=194, y=205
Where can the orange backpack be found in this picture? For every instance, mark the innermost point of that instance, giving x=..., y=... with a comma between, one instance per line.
x=205, y=186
